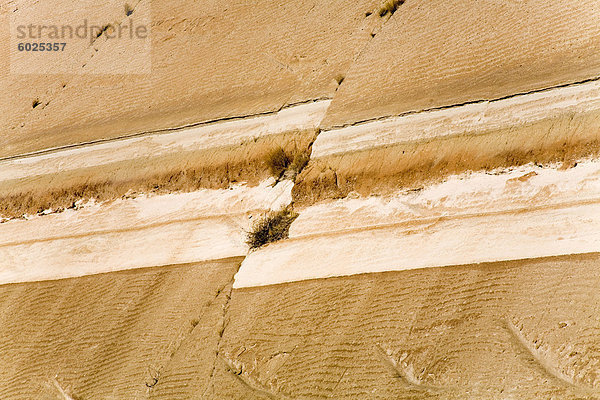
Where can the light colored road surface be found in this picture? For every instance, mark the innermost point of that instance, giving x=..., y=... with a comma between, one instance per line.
x=135, y=233
x=529, y=212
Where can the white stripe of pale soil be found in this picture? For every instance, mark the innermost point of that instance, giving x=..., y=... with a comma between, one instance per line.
x=528, y=212
x=135, y=233
x=471, y=119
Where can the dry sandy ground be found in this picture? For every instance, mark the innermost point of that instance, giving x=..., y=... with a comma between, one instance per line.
x=210, y=60
x=431, y=55
x=508, y=306
x=112, y=336
x=507, y=330
x=231, y=58
x=487, y=331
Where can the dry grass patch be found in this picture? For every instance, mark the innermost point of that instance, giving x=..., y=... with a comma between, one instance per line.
x=282, y=163
x=273, y=227
x=390, y=7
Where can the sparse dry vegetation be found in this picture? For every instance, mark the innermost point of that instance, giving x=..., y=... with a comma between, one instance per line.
x=271, y=228
x=281, y=162
x=390, y=7
x=299, y=162
x=181, y=172
x=128, y=10
x=277, y=161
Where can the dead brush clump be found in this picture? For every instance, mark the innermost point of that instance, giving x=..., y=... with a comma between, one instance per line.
x=281, y=162
x=277, y=161
x=273, y=227
x=128, y=9
x=390, y=7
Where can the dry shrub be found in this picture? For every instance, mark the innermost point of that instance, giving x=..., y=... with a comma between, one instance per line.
x=390, y=6
x=299, y=162
x=271, y=228
x=278, y=161
x=281, y=162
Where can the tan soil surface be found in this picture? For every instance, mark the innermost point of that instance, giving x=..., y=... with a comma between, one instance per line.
x=112, y=336
x=490, y=331
x=209, y=61
x=436, y=54
x=520, y=329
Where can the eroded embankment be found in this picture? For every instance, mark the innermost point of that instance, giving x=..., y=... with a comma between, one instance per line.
x=557, y=125
x=492, y=327
x=214, y=156
x=523, y=213
x=136, y=232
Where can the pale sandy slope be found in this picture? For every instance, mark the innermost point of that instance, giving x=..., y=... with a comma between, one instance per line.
x=209, y=61
x=527, y=212
x=518, y=318
x=508, y=330
x=231, y=58
x=203, y=137
x=136, y=233
x=480, y=118
x=111, y=336
x=488, y=331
